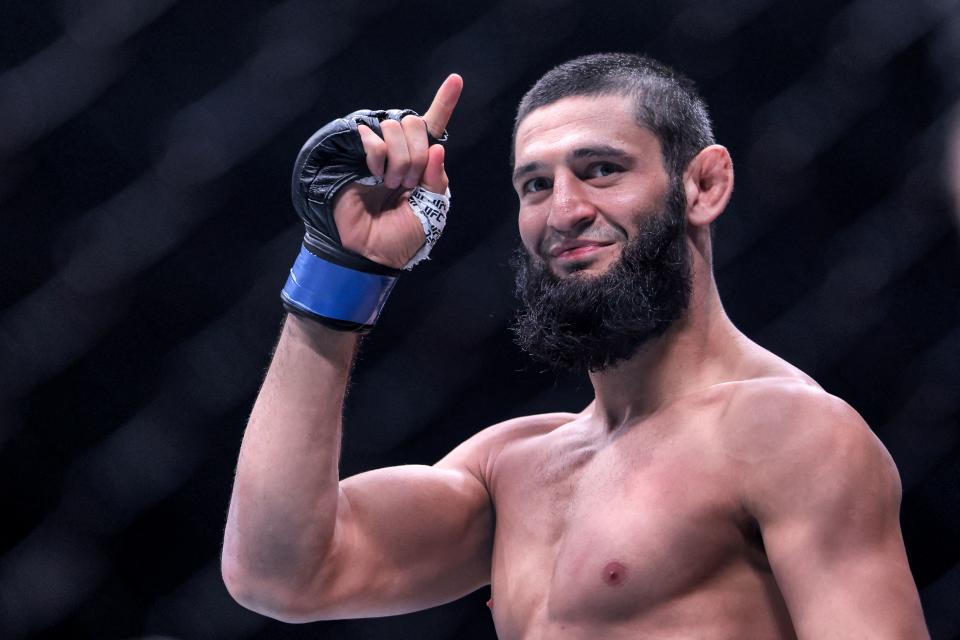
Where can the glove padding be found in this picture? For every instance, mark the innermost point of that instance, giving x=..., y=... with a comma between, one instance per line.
x=331, y=159
x=328, y=283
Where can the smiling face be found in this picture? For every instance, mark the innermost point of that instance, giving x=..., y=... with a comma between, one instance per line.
x=606, y=266
x=585, y=173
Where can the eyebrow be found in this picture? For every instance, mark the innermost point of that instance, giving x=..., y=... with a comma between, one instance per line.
x=595, y=151
x=601, y=150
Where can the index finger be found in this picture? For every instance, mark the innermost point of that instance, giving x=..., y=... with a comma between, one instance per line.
x=438, y=115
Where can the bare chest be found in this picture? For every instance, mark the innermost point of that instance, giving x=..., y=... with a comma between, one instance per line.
x=607, y=533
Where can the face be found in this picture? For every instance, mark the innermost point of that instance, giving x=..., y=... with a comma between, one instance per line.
x=605, y=266
x=584, y=171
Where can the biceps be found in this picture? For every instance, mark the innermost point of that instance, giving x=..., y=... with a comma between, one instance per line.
x=839, y=585
x=408, y=538
x=415, y=513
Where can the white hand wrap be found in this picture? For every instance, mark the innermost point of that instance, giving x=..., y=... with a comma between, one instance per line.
x=431, y=209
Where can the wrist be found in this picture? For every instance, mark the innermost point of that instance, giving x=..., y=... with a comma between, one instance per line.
x=334, y=345
x=343, y=299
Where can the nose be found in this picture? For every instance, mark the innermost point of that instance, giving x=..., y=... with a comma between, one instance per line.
x=570, y=208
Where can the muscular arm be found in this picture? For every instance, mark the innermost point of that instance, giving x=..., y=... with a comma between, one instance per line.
x=282, y=511
x=827, y=500
x=300, y=545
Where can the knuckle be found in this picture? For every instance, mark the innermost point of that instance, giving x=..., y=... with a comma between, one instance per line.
x=374, y=141
x=375, y=148
x=413, y=124
x=416, y=131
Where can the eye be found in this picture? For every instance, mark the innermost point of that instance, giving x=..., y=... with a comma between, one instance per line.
x=602, y=169
x=536, y=184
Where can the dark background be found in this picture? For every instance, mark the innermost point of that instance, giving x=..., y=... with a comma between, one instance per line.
x=147, y=230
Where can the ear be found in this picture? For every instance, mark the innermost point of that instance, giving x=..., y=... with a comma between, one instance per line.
x=708, y=183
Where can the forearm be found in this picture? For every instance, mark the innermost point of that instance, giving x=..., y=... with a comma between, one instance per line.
x=284, y=503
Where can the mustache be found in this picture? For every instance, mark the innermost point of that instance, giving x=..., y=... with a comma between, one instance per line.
x=602, y=235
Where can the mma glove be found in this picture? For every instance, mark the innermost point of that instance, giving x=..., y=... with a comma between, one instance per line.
x=328, y=283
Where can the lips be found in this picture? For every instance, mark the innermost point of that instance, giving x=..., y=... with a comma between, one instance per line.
x=576, y=249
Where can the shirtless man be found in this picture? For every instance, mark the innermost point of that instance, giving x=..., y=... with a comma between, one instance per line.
x=711, y=490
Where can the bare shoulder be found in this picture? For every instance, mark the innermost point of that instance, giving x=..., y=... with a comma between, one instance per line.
x=770, y=416
x=788, y=437
x=479, y=452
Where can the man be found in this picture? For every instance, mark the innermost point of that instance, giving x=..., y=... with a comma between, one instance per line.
x=711, y=490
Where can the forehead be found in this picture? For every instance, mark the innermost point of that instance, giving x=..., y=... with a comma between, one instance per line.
x=583, y=122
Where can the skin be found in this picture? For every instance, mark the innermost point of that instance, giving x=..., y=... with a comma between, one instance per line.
x=711, y=490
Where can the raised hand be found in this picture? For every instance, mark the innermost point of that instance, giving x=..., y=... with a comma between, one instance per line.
x=357, y=236
x=376, y=221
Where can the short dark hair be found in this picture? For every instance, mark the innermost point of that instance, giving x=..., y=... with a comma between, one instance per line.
x=665, y=102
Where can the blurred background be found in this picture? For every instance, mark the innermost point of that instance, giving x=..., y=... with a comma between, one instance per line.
x=145, y=155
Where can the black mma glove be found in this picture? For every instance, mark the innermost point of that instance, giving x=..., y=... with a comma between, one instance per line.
x=328, y=283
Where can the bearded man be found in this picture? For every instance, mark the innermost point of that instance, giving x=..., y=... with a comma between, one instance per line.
x=710, y=490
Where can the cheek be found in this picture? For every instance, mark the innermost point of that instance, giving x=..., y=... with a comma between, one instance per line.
x=531, y=229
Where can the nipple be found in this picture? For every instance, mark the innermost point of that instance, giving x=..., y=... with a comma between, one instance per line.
x=614, y=574
x=490, y=604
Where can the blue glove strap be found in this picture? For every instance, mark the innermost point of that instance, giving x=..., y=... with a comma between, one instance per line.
x=332, y=291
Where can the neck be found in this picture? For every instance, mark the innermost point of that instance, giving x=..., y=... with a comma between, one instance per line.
x=699, y=350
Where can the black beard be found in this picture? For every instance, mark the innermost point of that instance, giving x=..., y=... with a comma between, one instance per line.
x=594, y=322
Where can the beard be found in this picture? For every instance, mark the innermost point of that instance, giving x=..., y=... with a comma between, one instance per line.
x=595, y=322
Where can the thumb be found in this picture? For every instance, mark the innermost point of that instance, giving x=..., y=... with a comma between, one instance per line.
x=434, y=175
